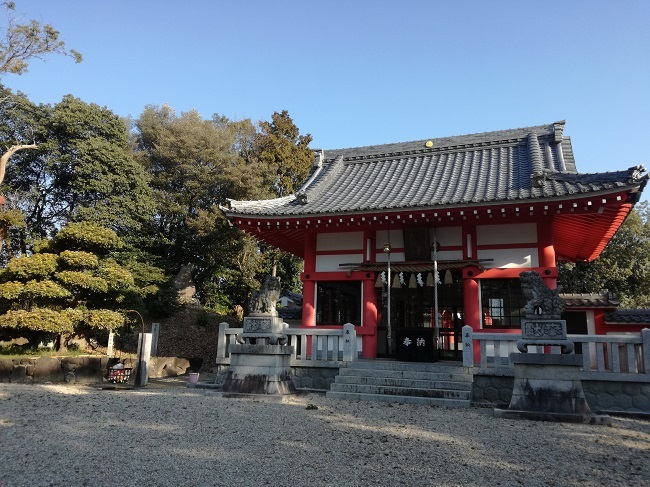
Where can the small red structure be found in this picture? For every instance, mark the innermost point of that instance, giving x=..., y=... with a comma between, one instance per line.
x=477, y=208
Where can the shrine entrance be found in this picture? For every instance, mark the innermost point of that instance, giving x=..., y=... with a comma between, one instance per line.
x=412, y=310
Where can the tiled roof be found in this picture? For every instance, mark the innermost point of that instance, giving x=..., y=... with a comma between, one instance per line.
x=295, y=297
x=505, y=166
x=579, y=300
x=290, y=313
x=629, y=316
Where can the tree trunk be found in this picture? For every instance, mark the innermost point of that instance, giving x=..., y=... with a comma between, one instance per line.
x=10, y=152
x=61, y=342
x=4, y=235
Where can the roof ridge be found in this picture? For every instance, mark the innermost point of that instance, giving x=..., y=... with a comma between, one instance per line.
x=495, y=136
x=314, y=187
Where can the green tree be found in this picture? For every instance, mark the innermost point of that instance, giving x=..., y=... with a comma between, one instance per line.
x=73, y=284
x=192, y=162
x=84, y=168
x=280, y=146
x=187, y=157
x=19, y=119
x=196, y=165
x=623, y=268
x=22, y=42
x=19, y=44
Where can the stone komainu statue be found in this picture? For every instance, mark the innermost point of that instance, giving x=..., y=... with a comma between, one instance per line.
x=543, y=303
x=263, y=301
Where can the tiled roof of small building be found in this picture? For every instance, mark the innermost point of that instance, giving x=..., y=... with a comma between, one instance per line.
x=290, y=313
x=579, y=300
x=629, y=316
x=505, y=166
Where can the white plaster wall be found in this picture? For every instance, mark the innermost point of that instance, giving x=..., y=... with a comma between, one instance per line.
x=339, y=241
x=330, y=263
x=449, y=255
x=396, y=239
x=510, y=258
x=514, y=233
x=394, y=257
x=447, y=235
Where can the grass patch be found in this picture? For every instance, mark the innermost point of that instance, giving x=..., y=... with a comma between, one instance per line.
x=18, y=351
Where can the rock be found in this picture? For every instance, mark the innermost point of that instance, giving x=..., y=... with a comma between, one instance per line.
x=84, y=369
x=48, y=369
x=6, y=366
x=168, y=366
x=19, y=375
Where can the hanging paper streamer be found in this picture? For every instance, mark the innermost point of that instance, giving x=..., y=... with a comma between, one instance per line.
x=383, y=277
x=448, y=278
x=396, y=284
x=430, y=280
x=401, y=278
x=420, y=281
x=438, y=278
x=412, y=283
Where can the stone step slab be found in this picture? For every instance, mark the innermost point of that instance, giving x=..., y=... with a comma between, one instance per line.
x=454, y=367
x=402, y=391
x=405, y=374
x=401, y=382
x=422, y=401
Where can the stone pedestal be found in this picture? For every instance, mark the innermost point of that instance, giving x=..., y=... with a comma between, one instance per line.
x=259, y=369
x=264, y=329
x=260, y=360
x=547, y=387
x=544, y=332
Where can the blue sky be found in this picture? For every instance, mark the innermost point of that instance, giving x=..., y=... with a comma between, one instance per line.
x=355, y=73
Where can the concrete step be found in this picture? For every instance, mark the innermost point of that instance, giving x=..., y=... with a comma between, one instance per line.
x=452, y=375
x=423, y=401
x=435, y=367
x=434, y=384
x=404, y=382
x=402, y=391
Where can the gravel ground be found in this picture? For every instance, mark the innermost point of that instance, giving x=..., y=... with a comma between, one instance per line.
x=166, y=434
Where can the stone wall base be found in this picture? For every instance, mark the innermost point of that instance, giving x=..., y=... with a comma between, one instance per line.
x=611, y=396
x=84, y=370
x=313, y=378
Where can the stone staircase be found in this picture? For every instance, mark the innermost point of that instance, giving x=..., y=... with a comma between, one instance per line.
x=431, y=384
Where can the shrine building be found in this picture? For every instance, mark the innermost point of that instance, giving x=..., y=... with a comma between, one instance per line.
x=479, y=209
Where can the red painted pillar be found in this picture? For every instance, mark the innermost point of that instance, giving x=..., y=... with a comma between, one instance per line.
x=308, y=285
x=599, y=322
x=546, y=250
x=471, y=302
x=369, y=340
x=308, y=303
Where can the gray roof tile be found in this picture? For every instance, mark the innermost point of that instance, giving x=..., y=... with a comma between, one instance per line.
x=509, y=165
x=629, y=316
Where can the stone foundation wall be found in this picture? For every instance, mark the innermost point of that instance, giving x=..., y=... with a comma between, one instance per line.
x=631, y=397
x=303, y=377
x=488, y=389
x=84, y=370
x=601, y=395
x=51, y=369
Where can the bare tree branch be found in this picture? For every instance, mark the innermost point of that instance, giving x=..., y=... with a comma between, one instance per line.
x=10, y=152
